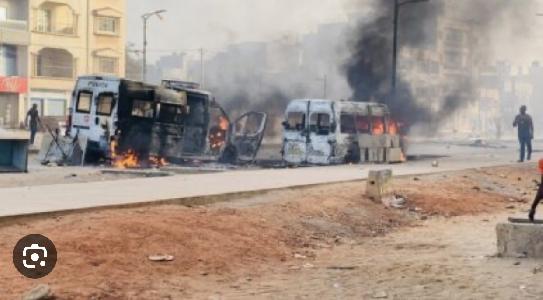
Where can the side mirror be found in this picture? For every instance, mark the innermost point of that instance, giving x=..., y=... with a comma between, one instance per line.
x=285, y=124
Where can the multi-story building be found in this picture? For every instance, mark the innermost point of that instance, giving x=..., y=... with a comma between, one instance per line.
x=51, y=43
x=14, y=42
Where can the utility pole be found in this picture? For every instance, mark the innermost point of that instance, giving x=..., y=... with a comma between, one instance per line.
x=324, y=81
x=88, y=37
x=395, y=48
x=202, y=68
x=144, y=69
x=397, y=5
x=325, y=86
x=145, y=18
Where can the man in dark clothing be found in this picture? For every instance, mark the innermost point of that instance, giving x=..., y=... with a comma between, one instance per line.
x=525, y=133
x=539, y=195
x=34, y=116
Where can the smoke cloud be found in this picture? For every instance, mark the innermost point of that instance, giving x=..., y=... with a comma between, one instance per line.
x=484, y=24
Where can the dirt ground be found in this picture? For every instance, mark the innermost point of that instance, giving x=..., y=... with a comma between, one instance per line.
x=326, y=241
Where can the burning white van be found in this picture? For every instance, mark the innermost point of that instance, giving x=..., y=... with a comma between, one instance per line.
x=323, y=132
x=132, y=121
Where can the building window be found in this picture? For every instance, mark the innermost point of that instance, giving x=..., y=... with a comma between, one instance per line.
x=8, y=60
x=56, y=108
x=107, y=25
x=43, y=20
x=3, y=13
x=53, y=62
x=107, y=65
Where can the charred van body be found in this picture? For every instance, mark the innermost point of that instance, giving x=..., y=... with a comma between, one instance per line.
x=175, y=121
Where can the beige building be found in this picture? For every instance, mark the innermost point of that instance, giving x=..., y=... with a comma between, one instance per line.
x=54, y=42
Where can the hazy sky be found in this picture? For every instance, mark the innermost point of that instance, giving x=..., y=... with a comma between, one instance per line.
x=213, y=24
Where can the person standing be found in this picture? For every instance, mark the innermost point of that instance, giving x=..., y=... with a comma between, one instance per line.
x=34, y=117
x=525, y=133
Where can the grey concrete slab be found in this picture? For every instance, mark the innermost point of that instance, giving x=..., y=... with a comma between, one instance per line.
x=520, y=240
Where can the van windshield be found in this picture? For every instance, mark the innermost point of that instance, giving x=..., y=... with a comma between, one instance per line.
x=295, y=121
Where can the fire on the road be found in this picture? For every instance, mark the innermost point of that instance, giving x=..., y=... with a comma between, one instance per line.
x=131, y=160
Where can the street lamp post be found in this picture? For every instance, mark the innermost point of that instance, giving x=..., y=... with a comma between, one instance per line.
x=145, y=17
x=397, y=5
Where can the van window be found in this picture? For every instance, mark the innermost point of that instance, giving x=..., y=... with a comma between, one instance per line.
x=143, y=109
x=84, y=101
x=348, y=124
x=320, y=124
x=295, y=121
x=170, y=114
x=104, y=105
x=363, y=124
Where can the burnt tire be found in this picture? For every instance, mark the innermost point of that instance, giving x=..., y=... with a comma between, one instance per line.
x=353, y=155
x=229, y=155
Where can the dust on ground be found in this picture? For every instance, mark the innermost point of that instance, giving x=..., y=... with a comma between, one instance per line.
x=280, y=244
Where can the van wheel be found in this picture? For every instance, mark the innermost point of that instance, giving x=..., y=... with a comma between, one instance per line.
x=353, y=155
x=229, y=155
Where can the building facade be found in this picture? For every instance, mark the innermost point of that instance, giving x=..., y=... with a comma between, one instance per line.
x=46, y=44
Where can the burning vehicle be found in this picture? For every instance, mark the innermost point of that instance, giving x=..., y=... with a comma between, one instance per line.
x=136, y=124
x=323, y=132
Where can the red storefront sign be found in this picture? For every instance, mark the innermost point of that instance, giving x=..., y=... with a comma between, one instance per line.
x=13, y=84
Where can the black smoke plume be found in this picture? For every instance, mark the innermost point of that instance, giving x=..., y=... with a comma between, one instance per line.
x=369, y=68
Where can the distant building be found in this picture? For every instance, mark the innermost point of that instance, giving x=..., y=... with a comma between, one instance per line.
x=46, y=44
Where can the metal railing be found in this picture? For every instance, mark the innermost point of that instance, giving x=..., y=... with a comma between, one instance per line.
x=54, y=26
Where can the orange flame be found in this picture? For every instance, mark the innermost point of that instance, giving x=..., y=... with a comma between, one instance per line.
x=393, y=127
x=126, y=161
x=217, y=135
x=130, y=159
x=223, y=123
x=378, y=126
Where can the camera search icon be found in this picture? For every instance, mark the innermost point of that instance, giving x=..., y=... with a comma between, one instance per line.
x=35, y=256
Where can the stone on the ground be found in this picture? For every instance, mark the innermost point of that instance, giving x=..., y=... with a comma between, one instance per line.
x=516, y=239
x=40, y=292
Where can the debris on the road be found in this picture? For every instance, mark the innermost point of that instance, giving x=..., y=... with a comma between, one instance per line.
x=380, y=295
x=40, y=292
x=342, y=268
x=161, y=258
x=394, y=201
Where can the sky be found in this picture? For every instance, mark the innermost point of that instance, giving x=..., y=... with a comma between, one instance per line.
x=214, y=24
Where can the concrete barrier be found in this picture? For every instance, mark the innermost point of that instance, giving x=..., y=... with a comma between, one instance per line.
x=520, y=240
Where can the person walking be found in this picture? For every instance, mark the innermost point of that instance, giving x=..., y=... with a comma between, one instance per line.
x=525, y=126
x=35, y=121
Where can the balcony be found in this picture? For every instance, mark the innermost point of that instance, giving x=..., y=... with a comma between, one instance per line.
x=54, y=63
x=14, y=32
x=55, y=18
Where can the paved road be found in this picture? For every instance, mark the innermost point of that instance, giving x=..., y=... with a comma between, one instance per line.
x=66, y=197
